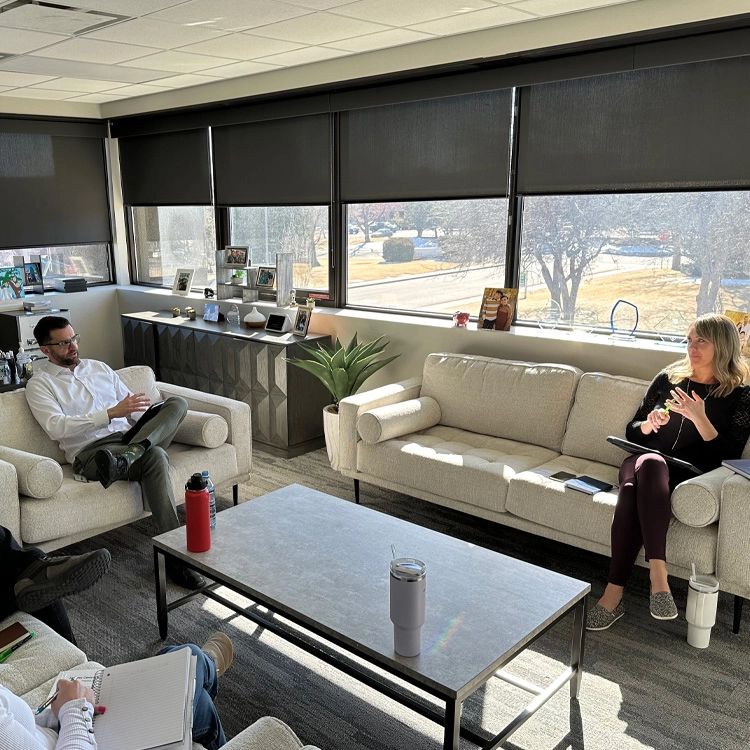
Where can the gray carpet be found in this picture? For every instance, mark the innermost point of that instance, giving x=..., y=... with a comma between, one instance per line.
x=643, y=687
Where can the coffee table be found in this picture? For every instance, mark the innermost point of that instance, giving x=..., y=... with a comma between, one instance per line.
x=323, y=563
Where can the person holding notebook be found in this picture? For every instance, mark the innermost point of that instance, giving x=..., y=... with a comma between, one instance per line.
x=83, y=405
x=698, y=410
x=68, y=725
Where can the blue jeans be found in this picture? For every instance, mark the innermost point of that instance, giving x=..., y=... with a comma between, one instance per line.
x=206, y=723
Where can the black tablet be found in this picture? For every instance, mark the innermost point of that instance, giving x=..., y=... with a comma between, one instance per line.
x=626, y=445
x=150, y=413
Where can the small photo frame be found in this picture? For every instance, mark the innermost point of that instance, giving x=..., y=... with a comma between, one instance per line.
x=11, y=283
x=302, y=321
x=211, y=312
x=183, y=280
x=266, y=277
x=235, y=256
x=32, y=273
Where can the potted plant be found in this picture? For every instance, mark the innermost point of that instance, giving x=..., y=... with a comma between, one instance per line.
x=342, y=371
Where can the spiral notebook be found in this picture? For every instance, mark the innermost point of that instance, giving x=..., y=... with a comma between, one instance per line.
x=149, y=702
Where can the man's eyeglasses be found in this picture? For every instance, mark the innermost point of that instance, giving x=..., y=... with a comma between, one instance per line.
x=65, y=344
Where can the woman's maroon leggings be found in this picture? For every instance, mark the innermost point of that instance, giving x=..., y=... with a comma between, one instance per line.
x=642, y=514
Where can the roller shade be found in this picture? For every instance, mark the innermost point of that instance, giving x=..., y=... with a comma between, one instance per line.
x=675, y=127
x=53, y=188
x=275, y=162
x=454, y=147
x=169, y=169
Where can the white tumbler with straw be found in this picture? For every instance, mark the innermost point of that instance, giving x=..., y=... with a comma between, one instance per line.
x=703, y=597
x=407, y=604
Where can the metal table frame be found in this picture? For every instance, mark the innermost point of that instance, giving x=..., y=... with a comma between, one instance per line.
x=450, y=719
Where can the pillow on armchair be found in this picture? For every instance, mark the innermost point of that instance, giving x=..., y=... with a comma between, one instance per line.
x=202, y=429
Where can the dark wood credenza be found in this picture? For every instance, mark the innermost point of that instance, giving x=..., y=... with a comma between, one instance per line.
x=286, y=402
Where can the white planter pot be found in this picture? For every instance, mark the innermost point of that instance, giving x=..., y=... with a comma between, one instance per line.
x=331, y=430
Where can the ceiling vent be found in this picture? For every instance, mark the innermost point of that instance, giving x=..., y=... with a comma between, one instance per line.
x=54, y=19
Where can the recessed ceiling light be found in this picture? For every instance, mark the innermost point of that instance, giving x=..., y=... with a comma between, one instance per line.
x=56, y=19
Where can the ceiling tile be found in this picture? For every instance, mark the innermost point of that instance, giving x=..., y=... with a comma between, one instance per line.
x=95, y=98
x=319, y=28
x=480, y=19
x=18, y=41
x=305, y=55
x=178, y=82
x=319, y=4
x=176, y=62
x=124, y=7
x=83, y=85
x=242, y=69
x=400, y=13
x=152, y=33
x=393, y=38
x=241, y=47
x=231, y=15
x=6, y=88
x=139, y=89
x=557, y=7
x=21, y=79
x=51, y=19
x=43, y=94
x=82, y=49
x=56, y=68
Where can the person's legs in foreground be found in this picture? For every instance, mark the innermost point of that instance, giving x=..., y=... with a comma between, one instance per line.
x=34, y=582
x=641, y=519
x=212, y=661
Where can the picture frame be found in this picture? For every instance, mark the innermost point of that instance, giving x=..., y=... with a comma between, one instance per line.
x=183, y=281
x=302, y=320
x=498, y=307
x=266, y=278
x=235, y=256
x=211, y=312
x=11, y=283
x=32, y=273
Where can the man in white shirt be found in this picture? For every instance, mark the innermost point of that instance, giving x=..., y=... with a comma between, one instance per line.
x=83, y=405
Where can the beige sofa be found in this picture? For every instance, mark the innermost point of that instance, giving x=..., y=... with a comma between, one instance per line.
x=43, y=505
x=30, y=672
x=483, y=435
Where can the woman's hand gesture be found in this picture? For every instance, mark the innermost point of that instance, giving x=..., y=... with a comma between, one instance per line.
x=655, y=419
x=690, y=406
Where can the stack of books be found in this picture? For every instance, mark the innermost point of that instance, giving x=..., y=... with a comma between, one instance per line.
x=71, y=284
x=37, y=305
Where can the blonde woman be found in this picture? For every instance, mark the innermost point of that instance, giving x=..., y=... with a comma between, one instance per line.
x=708, y=420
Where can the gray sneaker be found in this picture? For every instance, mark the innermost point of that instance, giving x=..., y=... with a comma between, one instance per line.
x=599, y=618
x=662, y=606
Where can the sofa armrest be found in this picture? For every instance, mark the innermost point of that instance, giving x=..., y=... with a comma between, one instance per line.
x=10, y=506
x=733, y=551
x=697, y=501
x=235, y=413
x=352, y=406
x=267, y=733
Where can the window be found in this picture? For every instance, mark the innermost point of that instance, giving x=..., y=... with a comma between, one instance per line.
x=302, y=230
x=427, y=256
x=171, y=237
x=674, y=255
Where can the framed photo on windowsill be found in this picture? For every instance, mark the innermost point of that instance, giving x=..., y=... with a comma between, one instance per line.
x=183, y=280
x=302, y=321
x=266, y=277
x=235, y=256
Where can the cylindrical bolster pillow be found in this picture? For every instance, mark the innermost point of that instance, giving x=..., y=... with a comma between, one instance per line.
x=202, y=429
x=38, y=476
x=696, y=502
x=394, y=420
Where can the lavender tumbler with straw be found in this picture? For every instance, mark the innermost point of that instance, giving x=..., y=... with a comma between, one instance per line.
x=407, y=604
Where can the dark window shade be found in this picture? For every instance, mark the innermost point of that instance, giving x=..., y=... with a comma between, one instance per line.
x=53, y=190
x=677, y=127
x=278, y=162
x=171, y=169
x=455, y=147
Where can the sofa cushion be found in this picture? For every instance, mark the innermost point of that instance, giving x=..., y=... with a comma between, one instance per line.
x=140, y=379
x=604, y=404
x=452, y=463
x=42, y=658
x=202, y=429
x=697, y=502
x=519, y=401
x=38, y=476
x=534, y=496
x=77, y=507
x=386, y=422
x=26, y=432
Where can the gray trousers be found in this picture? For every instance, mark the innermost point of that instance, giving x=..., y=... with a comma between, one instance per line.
x=152, y=469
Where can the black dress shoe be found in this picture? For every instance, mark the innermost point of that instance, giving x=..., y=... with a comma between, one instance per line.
x=110, y=467
x=185, y=577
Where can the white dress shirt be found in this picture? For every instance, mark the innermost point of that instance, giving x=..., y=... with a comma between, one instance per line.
x=21, y=730
x=71, y=406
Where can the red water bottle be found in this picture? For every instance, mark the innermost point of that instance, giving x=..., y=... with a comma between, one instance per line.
x=197, y=515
